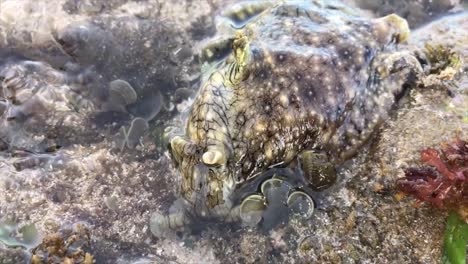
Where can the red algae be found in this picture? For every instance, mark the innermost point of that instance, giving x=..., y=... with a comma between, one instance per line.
x=444, y=183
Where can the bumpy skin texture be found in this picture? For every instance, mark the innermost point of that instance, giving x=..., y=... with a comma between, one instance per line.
x=300, y=75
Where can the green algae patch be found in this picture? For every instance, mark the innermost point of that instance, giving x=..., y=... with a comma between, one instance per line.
x=441, y=58
x=455, y=240
x=12, y=236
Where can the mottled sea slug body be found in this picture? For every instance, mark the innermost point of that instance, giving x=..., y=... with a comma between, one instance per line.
x=292, y=76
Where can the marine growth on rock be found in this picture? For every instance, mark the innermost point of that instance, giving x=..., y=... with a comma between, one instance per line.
x=444, y=183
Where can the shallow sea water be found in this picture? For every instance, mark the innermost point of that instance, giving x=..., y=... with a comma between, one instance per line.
x=98, y=84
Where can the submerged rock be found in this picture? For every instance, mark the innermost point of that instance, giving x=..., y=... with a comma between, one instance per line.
x=416, y=12
x=41, y=101
x=151, y=53
x=80, y=59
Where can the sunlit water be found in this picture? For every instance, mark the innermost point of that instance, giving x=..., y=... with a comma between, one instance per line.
x=91, y=89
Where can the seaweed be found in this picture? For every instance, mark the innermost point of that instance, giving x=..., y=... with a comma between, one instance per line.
x=441, y=58
x=13, y=236
x=455, y=240
x=445, y=183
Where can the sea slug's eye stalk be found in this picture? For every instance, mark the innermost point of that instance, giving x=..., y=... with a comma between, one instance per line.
x=237, y=71
x=394, y=26
x=401, y=25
